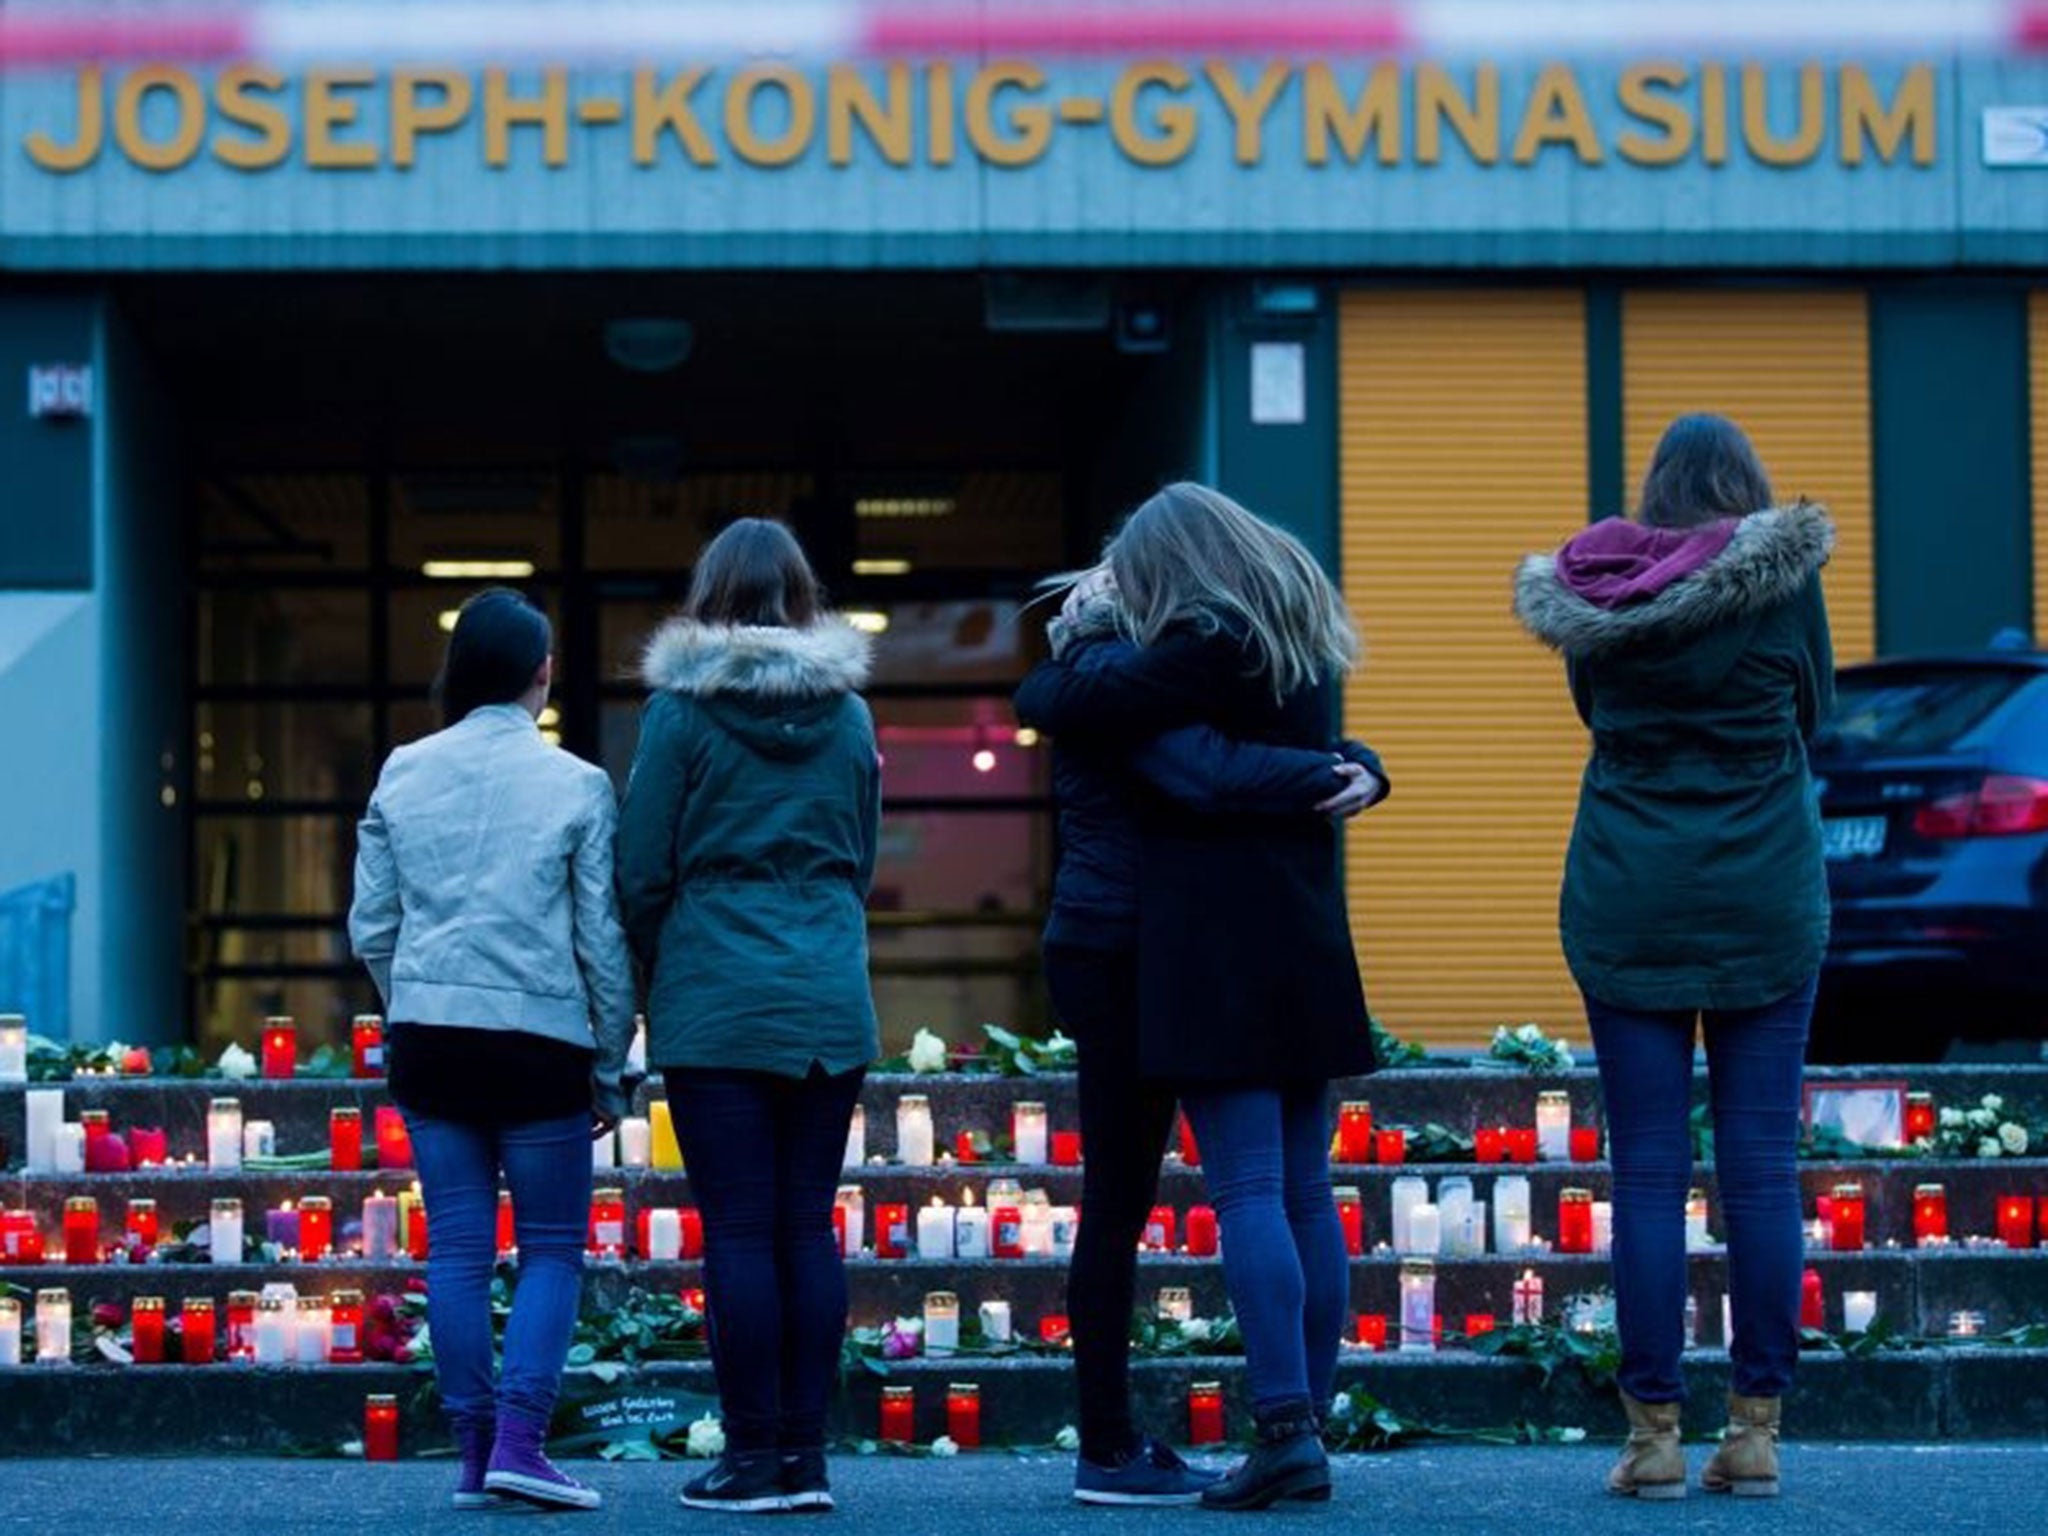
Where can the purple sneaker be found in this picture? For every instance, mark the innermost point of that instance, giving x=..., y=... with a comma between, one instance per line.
x=473, y=1439
x=520, y=1468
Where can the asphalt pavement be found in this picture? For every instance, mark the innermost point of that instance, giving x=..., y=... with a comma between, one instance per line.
x=1860, y=1490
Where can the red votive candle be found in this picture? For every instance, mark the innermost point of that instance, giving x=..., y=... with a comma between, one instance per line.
x=1066, y=1149
x=838, y=1227
x=345, y=1328
x=95, y=1123
x=1585, y=1143
x=1351, y=1216
x=147, y=1145
x=1005, y=1225
x=1159, y=1229
x=1205, y=1413
x=147, y=1330
x=394, y=1146
x=2015, y=1221
x=1202, y=1231
x=1054, y=1328
x=691, y=1221
x=607, y=1224
x=380, y=1427
x=345, y=1139
x=242, y=1324
x=316, y=1227
x=899, y=1415
x=508, y=1239
x=195, y=1324
x=892, y=1230
x=280, y=1048
x=1190, y=1153
x=1930, y=1214
x=142, y=1222
x=1522, y=1143
x=1575, y=1221
x=1390, y=1146
x=963, y=1415
x=366, y=1038
x=1848, y=1218
x=1813, y=1302
x=21, y=1238
x=1354, y=1132
x=963, y=1148
x=1477, y=1323
x=1372, y=1331
x=1489, y=1144
x=414, y=1211
x=1920, y=1117
x=693, y=1298
x=82, y=1230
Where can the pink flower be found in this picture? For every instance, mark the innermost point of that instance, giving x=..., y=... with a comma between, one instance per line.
x=108, y=1314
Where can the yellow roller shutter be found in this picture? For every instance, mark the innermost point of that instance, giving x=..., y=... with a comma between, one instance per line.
x=1464, y=447
x=1794, y=370
x=2038, y=349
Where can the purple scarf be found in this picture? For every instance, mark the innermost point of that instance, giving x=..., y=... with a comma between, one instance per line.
x=1618, y=562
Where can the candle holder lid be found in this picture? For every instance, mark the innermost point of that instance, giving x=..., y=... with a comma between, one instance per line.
x=1553, y=1096
x=348, y=1298
x=963, y=1389
x=1575, y=1197
x=244, y=1299
x=367, y=1018
x=381, y=1400
x=147, y=1304
x=899, y=1394
x=1928, y=1191
x=314, y=1203
x=224, y=1104
x=53, y=1294
x=1348, y=1194
x=1417, y=1267
x=941, y=1299
x=1848, y=1192
x=1206, y=1388
x=270, y=1303
x=82, y=1204
x=223, y=1204
x=141, y=1203
x=608, y=1196
x=345, y=1112
x=196, y=1304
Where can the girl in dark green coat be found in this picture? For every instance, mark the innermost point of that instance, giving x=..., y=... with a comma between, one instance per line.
x=1696, y=642
x=746, y=847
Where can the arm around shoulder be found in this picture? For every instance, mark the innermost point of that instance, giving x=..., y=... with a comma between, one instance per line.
x=601, y=954
x=1134, y=696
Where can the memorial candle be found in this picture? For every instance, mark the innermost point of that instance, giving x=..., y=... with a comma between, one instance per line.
x=82, y=1230
x=44, y=1112
x=935, y=1230
x=963, y=1415
x=146, y=1330
x=366, y=1045
x=851, y=1201
x=2015, y=1221
x=242, y=1324
x=995, y=1322
x=1350, y=1216
x=1202, y=1231
x=1418, y=1305
x=1930, y=1215
x=636, y=1142
x=1372, y=1331
x=1006, y=1232
x=10, y=1331
x=1848, y=1218
x=412, y=1220
x=898, y=1416
x=21, y=1238
x=1056, y=1328
x=1037, y=1224
x=1205, y=1413
x=1066, y=1149
x=1554, y=1124
x=970, y=1229
x=1175, y=1304
x=1585, y=1143
x=1390, y=1146
x=1527, y=1311
x=380, y=1427
x=1513, y=1227
x=1406, y=1193
x=380, y=1228
x=1859, y=1311
x=1603, y=1227
x=666, y=1151
x=1813, y=1302
x=1028, y=1132
x=345, y=1138
x=316, y=1228
x=892, y=1230
x=1696, y=1221
x=394, y=1145
x=196, y=1330
x=1425, y=1230
x=68, y=1142
x=1477, y=1323
x=1920, y=1118
x=664, y=1235
x=1489, y=1144
x=345, y=1329
x=1457, y=1218
x=281, y=1227
x=608, y=1224
x=1575, y=1221
x=13, y=1056
x=224, y=1135
x=280, y=1048
x=914, y=1131
x=1160, y=1229
x=224, y=1231
x=1354, y=1132
x=941, y=1323
x=856, y=1137
x=1190, y=1152
x=95, y=1123
x=273, y=1334
x=148, y=1146
x=312, y=1331
x=507, y=1234
x=53, y=1327
x=141, y=1224
x=1523, y=1145
x=259, y=1139
x=1066, y=1227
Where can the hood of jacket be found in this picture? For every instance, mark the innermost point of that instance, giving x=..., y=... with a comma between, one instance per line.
x=1620, y=584
x=777, y=689
x=1100, y=617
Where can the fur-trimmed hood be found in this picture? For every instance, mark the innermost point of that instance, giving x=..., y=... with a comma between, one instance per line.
x=1770, y=558
x=829, y=657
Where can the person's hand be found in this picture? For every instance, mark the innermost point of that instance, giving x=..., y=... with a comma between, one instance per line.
x=602, y=1125
x=1362, y=790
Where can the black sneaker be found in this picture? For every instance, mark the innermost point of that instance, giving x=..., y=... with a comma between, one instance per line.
x=805, y=1482
x=1155, y=1475
x=746, y=1483
x=1287, y=1463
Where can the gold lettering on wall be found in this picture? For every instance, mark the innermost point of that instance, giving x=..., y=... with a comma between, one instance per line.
x=1643, y=96
x=661, y=107
x=1812, y=127
x=1714, y=115
x=1169, y=136
x=1026, y=131
x=247, y=97
x=849, y=99
x=938, y=109
x=188, y=124
x=799, y=99
x=328, y=110
x=1247, y=108
x=1866, y=118
x=426, y=101
x=548, y=112
x=1475, y=121
x=1557, y=114
x=1374, y=117
x=92, y=129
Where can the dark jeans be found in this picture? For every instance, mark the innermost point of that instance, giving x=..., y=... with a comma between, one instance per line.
x=764, y=1154
x=547, y=1168
x=1125, y=1123
x=1755, y=1062
x=1266, y=1157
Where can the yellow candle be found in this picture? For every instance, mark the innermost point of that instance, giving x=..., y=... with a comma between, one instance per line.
x=667, y=1154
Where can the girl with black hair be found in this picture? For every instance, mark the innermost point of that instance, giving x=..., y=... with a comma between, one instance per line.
x=484, y=911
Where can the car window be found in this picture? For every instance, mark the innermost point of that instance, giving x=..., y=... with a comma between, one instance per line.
x=1908, y=714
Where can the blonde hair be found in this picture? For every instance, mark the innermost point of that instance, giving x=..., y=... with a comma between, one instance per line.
x=1191, y=556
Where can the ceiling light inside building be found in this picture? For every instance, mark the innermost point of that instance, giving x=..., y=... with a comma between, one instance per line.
x=867, y=621
x=477, y=570
x=904, y=506
x=1025, y=737
x=984, y=761
x=881, y=567
x=446, y=619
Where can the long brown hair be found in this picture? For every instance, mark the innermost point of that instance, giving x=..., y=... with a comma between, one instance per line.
x=1705, y=469
x=754, y=573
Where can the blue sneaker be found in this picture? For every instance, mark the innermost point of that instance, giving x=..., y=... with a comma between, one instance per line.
x=1153, y=1475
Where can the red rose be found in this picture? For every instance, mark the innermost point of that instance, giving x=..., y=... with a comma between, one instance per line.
x=136, y=1062
x=108, y=1315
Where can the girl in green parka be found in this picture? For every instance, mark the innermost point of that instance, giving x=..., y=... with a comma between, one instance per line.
x=1696, y=642
x=746, y=847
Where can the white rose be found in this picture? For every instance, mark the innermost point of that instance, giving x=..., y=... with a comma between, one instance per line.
x=927, y=1052
x=1993, y=1102
x=1951, y=1119
x=1068, y=1439
x=1571, y=1436
x=1989, y=1147
x=1529, y=1034
x=1196, y=1330
x=2014, y=1138
x=707, y=1438
x=1500, y=1033
x=945, y=1445
x=1565, y=1057
x=237, y=1063
x=1340, y=1406
x=1983, y=1119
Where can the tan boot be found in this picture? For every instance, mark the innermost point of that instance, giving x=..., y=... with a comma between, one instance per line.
x=1746, y=1465
x=1652, y=1464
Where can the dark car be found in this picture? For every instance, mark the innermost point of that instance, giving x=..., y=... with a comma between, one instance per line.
x=1933, y=778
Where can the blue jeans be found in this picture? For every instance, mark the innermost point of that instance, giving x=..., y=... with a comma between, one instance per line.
x=1755, y=1066
x=1266, y=1159
x=766, y=1155
x=546, y=1164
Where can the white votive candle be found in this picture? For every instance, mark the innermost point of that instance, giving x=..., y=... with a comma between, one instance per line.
x=995, y=1322
x=224, y=1135
x=914, y=1131
x=636, y=1142
x=970, y=1232
x=313, y=1332
x=224, y=1231
x=1425, y=1231
x=53, y=1327
x=13, y=1059
x=1603, y=1226
x=10, y=1331
x=1511, y=1226
x=1859, y=1311
x=1418, y=1304
x=1454, y=1216
x=1407, y=1193
x=1696, y=1240
x=853, y=1202
x=259, y=1139
x=1066, y=1227
x=941, y=1323
x=664, y=1234
x=45, y=1111
x=935, y=1236
x=1028, y=1131
x=1554, y=1125
x=857, y=1138
x=380, y=1228
x=604, y=1152
x=68, y=1142
x=272, y=1334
